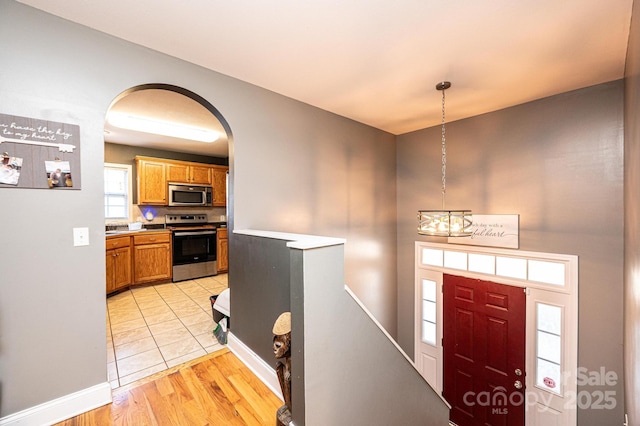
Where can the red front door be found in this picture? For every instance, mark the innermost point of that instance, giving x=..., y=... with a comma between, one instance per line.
x=484, y=351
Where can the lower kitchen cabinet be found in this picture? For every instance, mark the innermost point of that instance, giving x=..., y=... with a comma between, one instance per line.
x=223, y=250
x=118, y=259
x=152, y=257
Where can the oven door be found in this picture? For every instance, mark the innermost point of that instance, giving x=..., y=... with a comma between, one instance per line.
x=194, y=246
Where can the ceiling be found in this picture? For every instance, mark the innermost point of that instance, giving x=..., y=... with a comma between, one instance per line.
x=168, y=106
x=378, y=61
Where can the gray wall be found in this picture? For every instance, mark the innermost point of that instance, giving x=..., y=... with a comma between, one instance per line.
x=558, y=163
x=125, y=154
x=632, y=222
x=261, y=291
x=353, y=374
x=295, y=168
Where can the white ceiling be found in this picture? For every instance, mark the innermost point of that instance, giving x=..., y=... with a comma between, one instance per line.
x=378, y=61
x=166, y=105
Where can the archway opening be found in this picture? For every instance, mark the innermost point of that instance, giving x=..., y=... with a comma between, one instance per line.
x=155, y=319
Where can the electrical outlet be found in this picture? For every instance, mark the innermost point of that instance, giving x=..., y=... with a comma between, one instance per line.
x=80, y=236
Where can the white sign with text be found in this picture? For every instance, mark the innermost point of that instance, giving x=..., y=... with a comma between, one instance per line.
x=492, y=230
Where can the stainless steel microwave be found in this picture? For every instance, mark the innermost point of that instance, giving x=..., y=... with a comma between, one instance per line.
x=184, y=195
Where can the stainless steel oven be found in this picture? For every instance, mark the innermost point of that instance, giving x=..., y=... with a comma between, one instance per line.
x=194, y=246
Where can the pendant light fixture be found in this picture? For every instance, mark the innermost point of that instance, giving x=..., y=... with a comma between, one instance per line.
x=444, y=223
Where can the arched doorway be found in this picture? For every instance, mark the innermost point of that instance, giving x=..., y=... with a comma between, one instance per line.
x=157, y=323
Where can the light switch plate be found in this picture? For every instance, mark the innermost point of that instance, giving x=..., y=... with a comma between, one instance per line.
x=80, y=236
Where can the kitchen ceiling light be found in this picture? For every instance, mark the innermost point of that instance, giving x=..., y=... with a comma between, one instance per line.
x=444, y=223
x=161, y=127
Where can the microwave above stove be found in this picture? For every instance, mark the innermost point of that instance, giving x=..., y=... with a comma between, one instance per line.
x=184, y=195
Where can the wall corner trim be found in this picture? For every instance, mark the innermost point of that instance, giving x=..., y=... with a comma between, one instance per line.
x=62, y=408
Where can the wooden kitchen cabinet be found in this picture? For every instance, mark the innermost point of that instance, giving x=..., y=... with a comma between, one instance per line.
x=200, y=174
x=177, y=172
x=189, y=173
x=152, y=257
x=219, y=185
x=223, y=250
x=118, y=262
x=152, y=181
x=154, y=175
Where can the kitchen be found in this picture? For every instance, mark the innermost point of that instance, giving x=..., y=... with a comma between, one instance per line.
x=160, y=215
x=166, y=233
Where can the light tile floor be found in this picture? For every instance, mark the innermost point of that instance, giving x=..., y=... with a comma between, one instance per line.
x=152, y=328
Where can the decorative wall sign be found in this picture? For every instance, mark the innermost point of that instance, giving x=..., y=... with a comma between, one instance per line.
x=37, y=143
x=493, y=230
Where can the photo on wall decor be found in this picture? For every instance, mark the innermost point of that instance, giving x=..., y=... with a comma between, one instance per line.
x=58, y=174
x=10, y=170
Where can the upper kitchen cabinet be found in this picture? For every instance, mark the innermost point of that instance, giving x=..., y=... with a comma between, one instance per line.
x=189, y=173
x=151, y=181
x=154, y=174
x=219, y=185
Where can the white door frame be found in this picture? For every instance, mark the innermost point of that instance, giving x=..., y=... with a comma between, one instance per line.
x=550, y=280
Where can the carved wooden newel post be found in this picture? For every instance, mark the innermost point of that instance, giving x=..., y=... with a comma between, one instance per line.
x=282, y=352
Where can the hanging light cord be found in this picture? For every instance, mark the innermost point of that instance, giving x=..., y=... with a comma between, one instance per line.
x=444, y=155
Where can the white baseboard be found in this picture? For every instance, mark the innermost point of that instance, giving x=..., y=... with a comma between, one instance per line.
x=61, y=408
x=265, y=372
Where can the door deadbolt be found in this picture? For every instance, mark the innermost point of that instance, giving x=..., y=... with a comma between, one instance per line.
x=518, y=384
x=518, y=372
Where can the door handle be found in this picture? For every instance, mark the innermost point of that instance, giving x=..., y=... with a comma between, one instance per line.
x=518, y=384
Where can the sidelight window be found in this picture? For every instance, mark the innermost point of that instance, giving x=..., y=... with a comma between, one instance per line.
x=549, y=347
x=429, y=312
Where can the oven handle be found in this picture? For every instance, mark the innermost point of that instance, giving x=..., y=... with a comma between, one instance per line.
x=184, y=234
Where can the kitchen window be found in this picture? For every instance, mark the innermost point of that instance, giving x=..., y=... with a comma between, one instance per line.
x=117, y=190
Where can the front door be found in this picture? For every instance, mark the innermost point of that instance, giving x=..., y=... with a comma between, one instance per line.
x=484, y=351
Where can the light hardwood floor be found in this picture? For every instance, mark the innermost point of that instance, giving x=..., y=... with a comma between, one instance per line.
x=216, y=389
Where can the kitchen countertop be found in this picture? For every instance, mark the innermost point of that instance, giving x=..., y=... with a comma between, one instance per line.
x=120, y=232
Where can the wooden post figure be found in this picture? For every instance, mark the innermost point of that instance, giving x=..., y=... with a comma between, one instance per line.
x=282, y=352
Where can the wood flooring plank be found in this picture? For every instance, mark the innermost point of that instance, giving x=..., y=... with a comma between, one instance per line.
x=163, y=411
x=139, y=412
x=164, y=386
x=215, y=385
x=248, y=415
x=212, y=374
x=194, y=415
x=180, y=388
x=214, y=412
x=259, y=405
